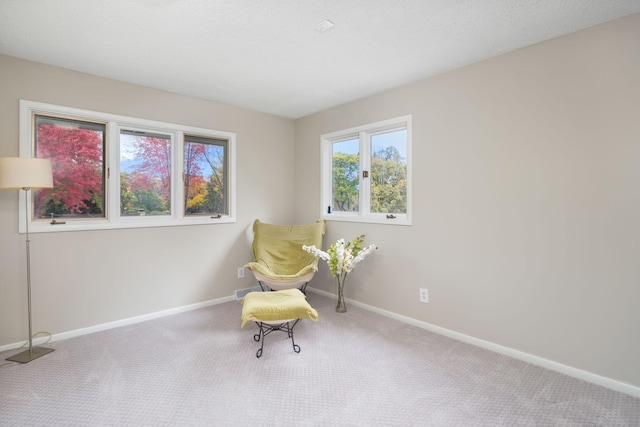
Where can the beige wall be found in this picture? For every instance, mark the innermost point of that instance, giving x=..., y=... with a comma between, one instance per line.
x=82, y=279
x=526, y=215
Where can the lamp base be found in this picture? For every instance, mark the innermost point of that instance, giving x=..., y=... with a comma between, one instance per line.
x=29, y=355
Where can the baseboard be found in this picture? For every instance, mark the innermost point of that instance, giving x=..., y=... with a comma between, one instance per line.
x=516, y=354
x=118, y=323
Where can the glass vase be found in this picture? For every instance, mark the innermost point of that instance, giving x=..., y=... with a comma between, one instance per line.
x=341, y=307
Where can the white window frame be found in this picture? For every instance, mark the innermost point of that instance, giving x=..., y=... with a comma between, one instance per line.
x=113, y=219
x=364, y=134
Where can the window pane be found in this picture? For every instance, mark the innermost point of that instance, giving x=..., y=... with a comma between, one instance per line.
x=145, y=173
x=205, y=171
x=389, y=172
x=345, y=175
x=77, y=152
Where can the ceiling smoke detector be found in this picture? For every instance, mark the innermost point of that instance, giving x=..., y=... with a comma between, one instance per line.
x=323, y=25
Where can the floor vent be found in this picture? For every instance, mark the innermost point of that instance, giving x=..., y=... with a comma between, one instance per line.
x=240, y=293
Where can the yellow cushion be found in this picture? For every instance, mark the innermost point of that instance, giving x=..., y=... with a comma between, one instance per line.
x=277, y=305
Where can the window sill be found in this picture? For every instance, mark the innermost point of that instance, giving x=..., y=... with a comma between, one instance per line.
x=369, y=219
x=124, y=223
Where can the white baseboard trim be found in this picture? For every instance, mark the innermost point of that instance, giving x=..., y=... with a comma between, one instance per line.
x=516, y=354
x=117, y=323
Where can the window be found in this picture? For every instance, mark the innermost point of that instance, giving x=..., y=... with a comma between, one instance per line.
x=145, y=173
x=77, y=152
x=366, y=173
x=204, y=177
x=120, y=172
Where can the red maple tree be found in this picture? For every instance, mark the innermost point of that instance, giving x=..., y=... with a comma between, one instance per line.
x=78, y=169
x=155, y=154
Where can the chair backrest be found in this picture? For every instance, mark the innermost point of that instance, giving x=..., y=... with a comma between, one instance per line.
x=279, y=247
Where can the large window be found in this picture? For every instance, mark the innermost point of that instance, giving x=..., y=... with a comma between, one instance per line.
x=119, y=172
x=366, y=173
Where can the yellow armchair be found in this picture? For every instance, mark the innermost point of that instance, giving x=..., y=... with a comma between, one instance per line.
x=279, y=261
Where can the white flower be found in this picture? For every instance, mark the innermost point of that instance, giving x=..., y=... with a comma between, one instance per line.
x=362, y=254
x=317, y=252
x=342, y=257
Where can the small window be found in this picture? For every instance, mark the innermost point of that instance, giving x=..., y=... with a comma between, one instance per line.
x=205, y=176
x=366, y=174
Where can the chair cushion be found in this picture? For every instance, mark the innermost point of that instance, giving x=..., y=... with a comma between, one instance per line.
x=276, y=305
x=277, y=249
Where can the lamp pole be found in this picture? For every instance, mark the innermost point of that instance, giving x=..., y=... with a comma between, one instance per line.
x=26, y=173
x=33, y=352
x=26, y=217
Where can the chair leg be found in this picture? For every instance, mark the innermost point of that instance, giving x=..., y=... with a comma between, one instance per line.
x=259, y=337
x=296, y=347
x=265, y=329
x=303, y=288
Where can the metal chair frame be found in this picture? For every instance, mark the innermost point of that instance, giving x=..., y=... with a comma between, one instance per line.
x=267, y=328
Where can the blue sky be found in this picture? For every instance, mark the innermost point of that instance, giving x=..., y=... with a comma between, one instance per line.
x=397, y=139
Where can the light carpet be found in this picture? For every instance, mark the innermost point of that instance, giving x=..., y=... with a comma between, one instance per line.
x=357, y=368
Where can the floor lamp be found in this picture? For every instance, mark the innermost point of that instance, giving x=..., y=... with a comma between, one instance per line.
x=25, y=173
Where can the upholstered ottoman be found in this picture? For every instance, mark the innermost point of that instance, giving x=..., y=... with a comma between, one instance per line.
x=276, y=311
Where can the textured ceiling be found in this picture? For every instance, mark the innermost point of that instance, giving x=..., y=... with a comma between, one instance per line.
x=265, y=55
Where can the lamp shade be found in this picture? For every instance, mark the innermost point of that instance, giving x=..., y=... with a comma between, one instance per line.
x=25, y=172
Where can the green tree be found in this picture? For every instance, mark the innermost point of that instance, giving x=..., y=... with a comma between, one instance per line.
x=346, y=168
x=388, y=181
x=214, y=156
x=127, y=197
x=150, y=201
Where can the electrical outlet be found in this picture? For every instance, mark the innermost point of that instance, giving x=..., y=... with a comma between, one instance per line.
x=240, y=272
x=424, y=295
